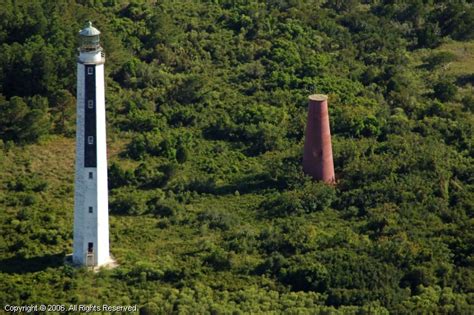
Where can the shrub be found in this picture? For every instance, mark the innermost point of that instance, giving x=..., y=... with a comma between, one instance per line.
x=22, y=121
x=165, y=207
x=261, y=128
x=218, y=259
x=149, y=174
x=468, y=103
x=357, y=122
x=314, y=196
x=218, y=219
x=439, y=59
x=143, y=121
x=182, y=154
x=445, y=90
x=156, y=144
x=118, y=177
x=306, y=275
x=30, y=182
x=128, y=201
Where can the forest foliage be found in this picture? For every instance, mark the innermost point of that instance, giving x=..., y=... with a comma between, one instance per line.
x=206, y=108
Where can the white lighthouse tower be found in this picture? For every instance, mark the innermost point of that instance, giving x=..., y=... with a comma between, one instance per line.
x=91, y=207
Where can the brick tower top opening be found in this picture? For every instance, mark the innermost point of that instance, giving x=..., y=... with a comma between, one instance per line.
x=318, y=97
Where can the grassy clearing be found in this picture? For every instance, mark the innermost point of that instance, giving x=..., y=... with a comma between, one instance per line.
x=464, y=53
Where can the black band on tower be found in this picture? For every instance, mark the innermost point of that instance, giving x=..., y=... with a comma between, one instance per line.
x=90, y=136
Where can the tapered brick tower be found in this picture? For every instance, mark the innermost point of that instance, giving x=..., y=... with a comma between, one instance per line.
x=317, y=158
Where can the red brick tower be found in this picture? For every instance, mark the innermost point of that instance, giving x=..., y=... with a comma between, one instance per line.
x=317, y=158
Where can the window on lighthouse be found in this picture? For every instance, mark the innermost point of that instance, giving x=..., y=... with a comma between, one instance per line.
x=90, y=209
x=90, y=71
x=90, y=140
x=90, y=103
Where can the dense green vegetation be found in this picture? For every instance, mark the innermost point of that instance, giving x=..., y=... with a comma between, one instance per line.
x=206, y=106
